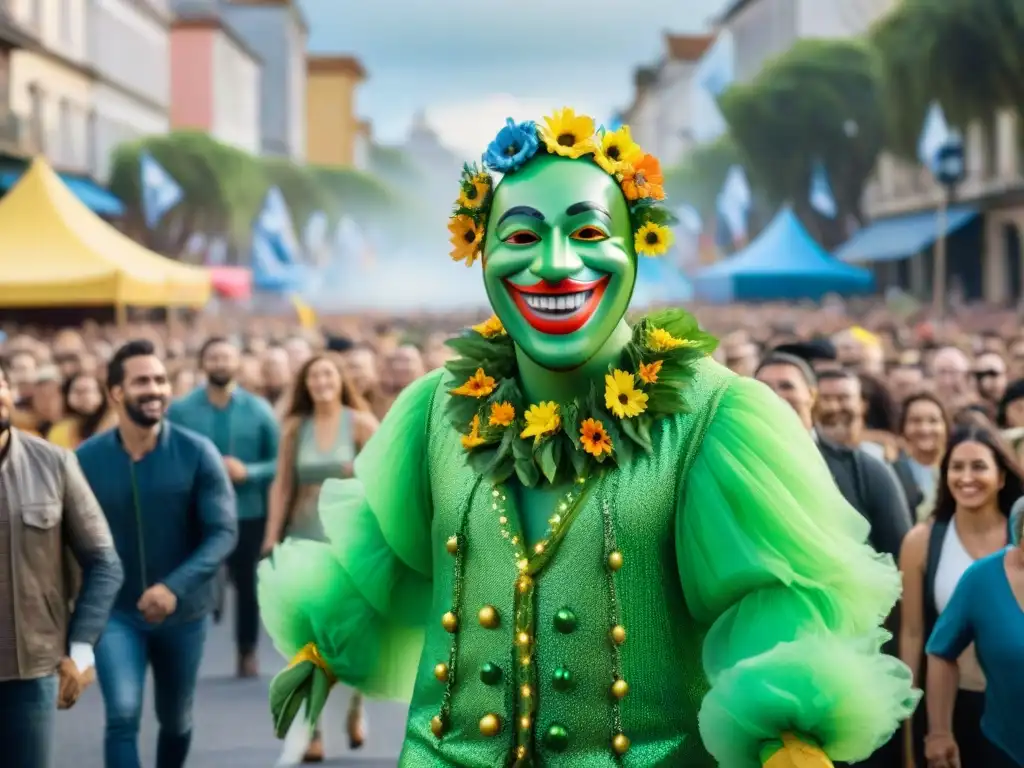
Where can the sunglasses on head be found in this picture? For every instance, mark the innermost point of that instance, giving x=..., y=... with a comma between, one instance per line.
x=987, y=374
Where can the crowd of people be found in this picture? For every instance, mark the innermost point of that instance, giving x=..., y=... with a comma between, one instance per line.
x=921, y=425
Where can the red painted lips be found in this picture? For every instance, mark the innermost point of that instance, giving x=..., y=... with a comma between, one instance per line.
x=558, y=308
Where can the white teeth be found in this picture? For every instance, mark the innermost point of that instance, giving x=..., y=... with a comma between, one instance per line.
x=562, y=304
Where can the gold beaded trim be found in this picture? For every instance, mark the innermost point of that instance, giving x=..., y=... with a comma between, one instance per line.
x=528, y=567
x=618, y=687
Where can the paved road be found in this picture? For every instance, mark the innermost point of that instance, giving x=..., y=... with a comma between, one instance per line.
x=232, y=721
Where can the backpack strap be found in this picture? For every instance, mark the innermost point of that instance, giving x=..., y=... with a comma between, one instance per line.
x=935, y=538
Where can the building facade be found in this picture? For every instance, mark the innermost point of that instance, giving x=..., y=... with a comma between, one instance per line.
x=333, y=128
x=51, y=84
x=215, y=81
x=16, y=139
x=129, y=53
x=276, y=31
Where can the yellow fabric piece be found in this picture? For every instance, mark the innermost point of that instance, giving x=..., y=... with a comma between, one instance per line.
x=797, y=754
x=309, y=652
x=54, y=251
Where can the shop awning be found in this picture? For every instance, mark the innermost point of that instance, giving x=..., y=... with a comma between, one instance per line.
x=900, y=237
x=96, y=198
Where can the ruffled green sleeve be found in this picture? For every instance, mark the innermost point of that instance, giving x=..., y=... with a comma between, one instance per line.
x=773, y=560
x=362, y=596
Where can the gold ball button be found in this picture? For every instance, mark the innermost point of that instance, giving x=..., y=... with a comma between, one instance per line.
x=490, y=725
x=441, y=672
x=488, y=617
x=620, y=744
x=615, y=560
x=523, y=639
x=620, y=688
x=452, y=545
x=437, y=726
x=450, y=622
x=618, y=634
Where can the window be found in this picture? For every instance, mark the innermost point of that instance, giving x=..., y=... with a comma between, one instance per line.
x=35, y=93
x=65, y=140
x=67, y=30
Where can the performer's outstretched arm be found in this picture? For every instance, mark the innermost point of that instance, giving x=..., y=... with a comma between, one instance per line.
x=772, y=558
x=355, y=606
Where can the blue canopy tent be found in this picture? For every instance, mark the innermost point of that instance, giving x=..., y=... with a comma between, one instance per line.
x=783, y=263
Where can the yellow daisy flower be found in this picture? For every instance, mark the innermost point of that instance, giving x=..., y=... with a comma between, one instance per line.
x=568, y=134
x=649, y=372
x=478, y=385
x=621, y=396
x=490, y=327
x=595, y=438
x=502, y=414
x=660, y=340
x=652, y=239
x=466, y=239
x=474, y=191
x=541, y=419
x=473, y=439
x=617, y=151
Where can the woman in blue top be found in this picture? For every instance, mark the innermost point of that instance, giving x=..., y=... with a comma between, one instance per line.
x=987, y=609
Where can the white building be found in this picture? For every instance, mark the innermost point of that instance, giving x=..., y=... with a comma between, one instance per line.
x=129, y=50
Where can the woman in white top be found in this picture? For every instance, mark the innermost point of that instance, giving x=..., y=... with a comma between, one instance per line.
x=979, y=480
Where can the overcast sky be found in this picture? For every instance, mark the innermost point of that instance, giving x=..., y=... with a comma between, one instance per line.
x=477, y=61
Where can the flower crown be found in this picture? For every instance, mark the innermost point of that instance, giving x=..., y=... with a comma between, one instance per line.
x=569, y=135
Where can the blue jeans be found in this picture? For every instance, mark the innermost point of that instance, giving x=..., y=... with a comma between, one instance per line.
x=127, y=647
x=27, y=715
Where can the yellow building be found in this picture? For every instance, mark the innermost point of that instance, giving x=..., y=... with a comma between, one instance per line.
x=50, y=85
x=333, y=131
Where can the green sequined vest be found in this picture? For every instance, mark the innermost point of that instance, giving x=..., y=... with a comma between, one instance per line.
x=616, y=675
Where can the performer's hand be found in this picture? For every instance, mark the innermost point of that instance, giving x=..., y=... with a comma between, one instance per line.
x=157, y=603
x=267, y=547
x=72, y=682
x=941, y=751
x=795, y=753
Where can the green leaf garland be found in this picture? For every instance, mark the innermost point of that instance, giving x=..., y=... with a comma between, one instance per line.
x=561, y=455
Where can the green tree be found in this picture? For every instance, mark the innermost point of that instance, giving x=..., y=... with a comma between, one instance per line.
x=966, y=54
x=699, y=178
x=818, y=102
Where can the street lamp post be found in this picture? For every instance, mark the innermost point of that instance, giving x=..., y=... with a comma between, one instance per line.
x=949, y=171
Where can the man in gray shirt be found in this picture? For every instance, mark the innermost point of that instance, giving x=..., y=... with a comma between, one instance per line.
x=47, y=512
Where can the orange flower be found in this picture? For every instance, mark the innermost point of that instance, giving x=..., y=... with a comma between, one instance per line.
x=473, y=439
x=502, y=414
x=649, y=372
x=644, y=179
x=478, y=385
x=594, y=438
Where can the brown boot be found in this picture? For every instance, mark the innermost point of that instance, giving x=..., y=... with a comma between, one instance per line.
x=356, y=729
x=315, y=750
x=248, y=666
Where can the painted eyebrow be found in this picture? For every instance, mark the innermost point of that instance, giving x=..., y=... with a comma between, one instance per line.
x=582, y=207
x=521, y=210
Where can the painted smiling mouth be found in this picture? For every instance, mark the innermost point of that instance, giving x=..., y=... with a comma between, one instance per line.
x=558, y=308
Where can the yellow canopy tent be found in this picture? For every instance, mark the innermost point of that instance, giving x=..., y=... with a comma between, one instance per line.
x=55, y=252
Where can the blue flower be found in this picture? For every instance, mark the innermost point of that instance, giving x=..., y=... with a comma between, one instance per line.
x=514, y=145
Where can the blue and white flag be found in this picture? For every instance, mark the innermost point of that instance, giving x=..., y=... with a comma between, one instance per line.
x=269, y=273
x=820, y=197
x=314, y=238
x=733, y=203
x=274, y=223
x=935, y=134
x=160, y=192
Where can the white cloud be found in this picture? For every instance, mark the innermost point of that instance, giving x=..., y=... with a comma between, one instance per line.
x=468, y=127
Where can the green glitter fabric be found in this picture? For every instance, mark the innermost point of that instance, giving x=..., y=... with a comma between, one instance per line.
x=742, y=602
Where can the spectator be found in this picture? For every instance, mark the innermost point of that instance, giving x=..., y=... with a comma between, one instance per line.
x=405, y=365
x=299, y=351
x=1010, y=416
x=986, y=611
x=360, y=366
x=46, y=652
x=183, y=381
x=169, y=503
x=740, y=354
x=327, y=424
x=276, y=375
x=87, y=412
x=951, y=372
x=243, y=428
x=924, y=428
x=22, y=366
x=990, y=377
x=979, y=481
x=905, y=379
x=45, y=407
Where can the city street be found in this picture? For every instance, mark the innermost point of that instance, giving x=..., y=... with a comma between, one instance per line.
x=232, y=720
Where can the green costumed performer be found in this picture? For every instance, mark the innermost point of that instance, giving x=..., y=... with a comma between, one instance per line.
x=586, y=543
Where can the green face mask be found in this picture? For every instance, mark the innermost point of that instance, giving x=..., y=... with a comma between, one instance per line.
x=559, y=265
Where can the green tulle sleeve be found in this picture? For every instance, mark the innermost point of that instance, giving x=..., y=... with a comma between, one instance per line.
x=362, y=596
x=773, y=559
